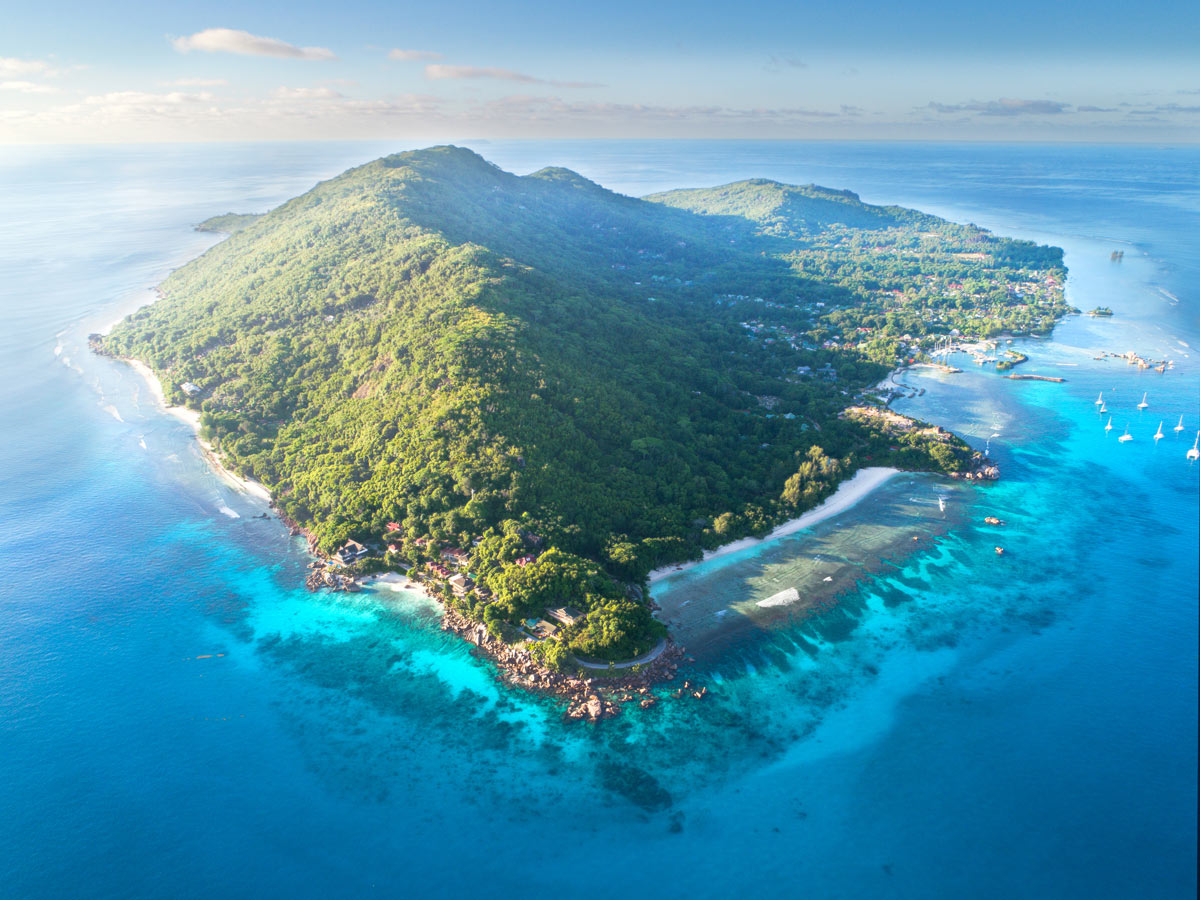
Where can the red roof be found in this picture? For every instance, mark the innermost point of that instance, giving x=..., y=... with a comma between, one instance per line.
x=393, y=526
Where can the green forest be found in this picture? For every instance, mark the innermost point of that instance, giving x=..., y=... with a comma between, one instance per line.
x=537, y=366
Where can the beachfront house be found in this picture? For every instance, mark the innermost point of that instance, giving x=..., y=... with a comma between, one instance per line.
x=460, y=584
x=545, y=629
x=567, y=615
x=349, y=552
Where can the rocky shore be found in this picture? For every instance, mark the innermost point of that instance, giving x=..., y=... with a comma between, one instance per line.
x=324, y=577
x=982, y=469
x=588, y=698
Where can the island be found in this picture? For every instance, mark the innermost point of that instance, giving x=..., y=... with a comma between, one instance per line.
x=528, y=392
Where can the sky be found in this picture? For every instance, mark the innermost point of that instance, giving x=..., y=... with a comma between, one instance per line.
x=1027, y=70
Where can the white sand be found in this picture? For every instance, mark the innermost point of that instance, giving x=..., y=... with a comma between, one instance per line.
x=392, y=581
x=848, y=493
x=192, y=418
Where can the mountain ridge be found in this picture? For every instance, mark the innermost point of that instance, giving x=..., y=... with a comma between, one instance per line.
x=431, y=341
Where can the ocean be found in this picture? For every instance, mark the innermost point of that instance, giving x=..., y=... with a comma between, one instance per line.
x=180, y=718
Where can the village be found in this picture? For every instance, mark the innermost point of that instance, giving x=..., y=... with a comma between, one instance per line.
x=591, y=690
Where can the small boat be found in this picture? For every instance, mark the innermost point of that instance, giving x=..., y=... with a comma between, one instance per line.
x=1194, y=453
x=1108, y=427
x=1103, y=409
x=1158, y=435
x=1100, y=400
x=1126, y=436
x=1143, y=404
x=1179, y=427
x=942, y=503
x=999, y=551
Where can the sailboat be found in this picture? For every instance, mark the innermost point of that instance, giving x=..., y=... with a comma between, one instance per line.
x=1179, y=427
x=1100, y=399
x=1126, y=436
x=1194, y=453
x=1108, y=427
x=1158, y=435
x=1143, y=404
x=1103, y=409
x=942, y=503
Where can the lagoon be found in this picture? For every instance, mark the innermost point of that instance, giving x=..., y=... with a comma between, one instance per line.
x=186, y=719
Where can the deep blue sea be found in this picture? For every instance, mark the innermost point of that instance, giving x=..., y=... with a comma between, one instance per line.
x=180, y=718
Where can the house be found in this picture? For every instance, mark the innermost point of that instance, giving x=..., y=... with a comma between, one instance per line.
x=393, y=526
x=544, y=629
x=189, y=388
x=349, y=552
x=567, y=615
x=461, y=584
x=456, y=555
x=525, y=560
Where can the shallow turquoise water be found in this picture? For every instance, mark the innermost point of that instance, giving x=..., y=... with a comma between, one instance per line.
x=177, y=718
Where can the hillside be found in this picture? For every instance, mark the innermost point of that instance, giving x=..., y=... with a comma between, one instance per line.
x=536, y=362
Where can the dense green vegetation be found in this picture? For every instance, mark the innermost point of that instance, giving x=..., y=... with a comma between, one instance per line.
x=553, y=370
x=228, y=223
x=907, y=277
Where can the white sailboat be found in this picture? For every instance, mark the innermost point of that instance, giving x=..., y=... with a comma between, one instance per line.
x=1194, y=453
x=1143, y=404
x=942, y=503
x=1179, y=427
x=1158, y=435
x=1108, y=427
x=1103, y=409
x=1126, y=436
x=1100, y=399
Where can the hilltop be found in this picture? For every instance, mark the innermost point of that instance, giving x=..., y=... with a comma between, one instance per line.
x=429, y=351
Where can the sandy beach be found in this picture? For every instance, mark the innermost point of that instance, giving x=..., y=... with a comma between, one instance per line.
x=192, y=418
x=848, y=493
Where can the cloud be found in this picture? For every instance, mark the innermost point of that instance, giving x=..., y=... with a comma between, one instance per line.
x=438, y=72
x=1005, y=106
x=412, y=55
x=230, y=40
x=11, y=65
x=27, y=87
x=196, y=82
x=142, y=98
x=309, y=93
x=529, y=108
x=1095, y=109
x=779, y=63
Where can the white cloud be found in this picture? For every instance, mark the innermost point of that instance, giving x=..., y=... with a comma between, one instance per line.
x=309, y=93
x=11, y=65
x=196, y=82
x=230, y=40
x=27, y=87
x=437, y=72
x=412, y=55
x=142, y=98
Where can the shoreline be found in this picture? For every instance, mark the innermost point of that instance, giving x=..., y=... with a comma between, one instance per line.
x=192, y=418
x=848, y=494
